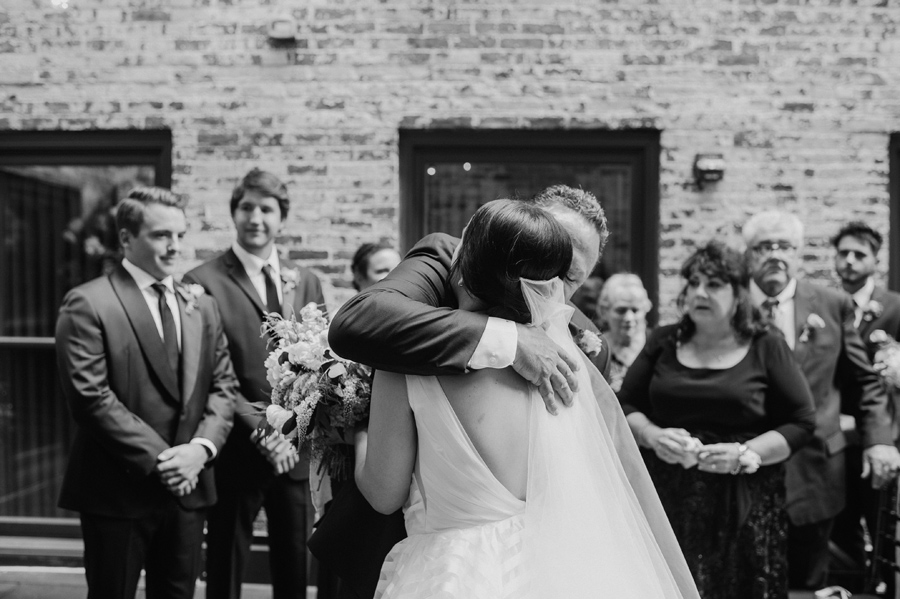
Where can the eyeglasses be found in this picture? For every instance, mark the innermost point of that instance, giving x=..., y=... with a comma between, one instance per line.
x=767, y=247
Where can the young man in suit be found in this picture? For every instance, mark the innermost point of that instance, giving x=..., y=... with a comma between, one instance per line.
x=875, y=308
x=817, y=323
x=409, y=323
x=247, y=281
x=145, y=369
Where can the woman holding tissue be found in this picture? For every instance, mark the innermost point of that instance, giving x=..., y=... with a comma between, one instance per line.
x=718, y=404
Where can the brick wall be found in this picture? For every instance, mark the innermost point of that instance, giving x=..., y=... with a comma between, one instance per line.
x=799, y=95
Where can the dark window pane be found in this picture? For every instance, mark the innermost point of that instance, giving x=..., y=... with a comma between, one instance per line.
x=36, y=432
x=454, y=190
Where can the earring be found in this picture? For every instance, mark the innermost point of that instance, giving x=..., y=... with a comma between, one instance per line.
x=460, y=283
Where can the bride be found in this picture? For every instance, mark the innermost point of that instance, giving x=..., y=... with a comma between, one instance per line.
x=503, y=499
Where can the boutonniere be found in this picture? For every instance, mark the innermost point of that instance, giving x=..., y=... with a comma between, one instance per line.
x=289, y=279
x=813, y=322
x=589, y=342
x=190, y=293
x=872, y=310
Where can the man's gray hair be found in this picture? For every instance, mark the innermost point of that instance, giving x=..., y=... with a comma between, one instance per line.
x=773, y=219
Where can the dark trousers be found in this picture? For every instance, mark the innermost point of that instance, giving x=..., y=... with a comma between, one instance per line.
x=808, y=555
x=230, y=533
x=848, y=534
x=166, y=544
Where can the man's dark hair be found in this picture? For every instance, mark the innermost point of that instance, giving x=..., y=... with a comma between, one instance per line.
x=130, y=211
x=715, y=259
x=578, y=200
x=862, y=231
x=360, y=263
x=504, y=242
x=264, y=183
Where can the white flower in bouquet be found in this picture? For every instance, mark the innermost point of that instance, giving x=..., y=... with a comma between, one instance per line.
x=317, y=397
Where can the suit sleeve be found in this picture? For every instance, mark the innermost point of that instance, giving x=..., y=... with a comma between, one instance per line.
x=84, y=376
x=218, y=415
x=402, y=324
x=873, y=417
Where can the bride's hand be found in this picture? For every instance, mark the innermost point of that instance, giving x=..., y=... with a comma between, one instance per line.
x=545, y=365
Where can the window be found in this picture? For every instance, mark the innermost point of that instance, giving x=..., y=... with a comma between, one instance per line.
x=58, y=190
x=445, y=175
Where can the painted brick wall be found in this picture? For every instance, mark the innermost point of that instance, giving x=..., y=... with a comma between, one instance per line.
x=799, y=95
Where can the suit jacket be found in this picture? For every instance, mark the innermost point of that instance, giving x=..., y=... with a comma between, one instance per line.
x=415, y=308
x=889, y=322
x=827, y=356
x=127, y=402
x=225, y=279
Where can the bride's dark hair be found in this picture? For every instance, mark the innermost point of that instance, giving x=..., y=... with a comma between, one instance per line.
x=509, y=240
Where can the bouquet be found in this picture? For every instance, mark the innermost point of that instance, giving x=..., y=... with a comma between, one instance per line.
x=887, y=358
x=317, y=397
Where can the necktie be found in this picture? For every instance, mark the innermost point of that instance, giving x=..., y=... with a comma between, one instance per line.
x=170, y=337
x=768, y=309
x=272, y=304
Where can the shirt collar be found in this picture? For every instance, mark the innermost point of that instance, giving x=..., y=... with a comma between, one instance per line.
x=864, y=295
x=254, y=264
x=144, y=279
x=787, y=294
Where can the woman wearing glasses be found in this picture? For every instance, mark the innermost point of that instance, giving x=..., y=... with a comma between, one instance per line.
x=719, y=404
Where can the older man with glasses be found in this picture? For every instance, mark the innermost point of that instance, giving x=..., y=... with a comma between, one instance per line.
x=818, y=324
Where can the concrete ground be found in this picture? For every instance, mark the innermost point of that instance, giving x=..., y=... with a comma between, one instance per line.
x=24, y=582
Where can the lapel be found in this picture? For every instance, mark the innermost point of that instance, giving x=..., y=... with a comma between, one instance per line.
x=803, y=307
x=239, y=275
x=288, y=295
x=867, y=326
x=191, y=341
x=145, y=330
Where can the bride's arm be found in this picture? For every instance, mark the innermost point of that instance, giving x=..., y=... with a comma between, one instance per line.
x=386, y=453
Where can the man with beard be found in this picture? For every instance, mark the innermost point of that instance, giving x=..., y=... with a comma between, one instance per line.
x=856, y=256
x=818, y=325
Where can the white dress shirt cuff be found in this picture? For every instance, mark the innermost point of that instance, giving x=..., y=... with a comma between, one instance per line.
x=497, y=347
x=209, y=445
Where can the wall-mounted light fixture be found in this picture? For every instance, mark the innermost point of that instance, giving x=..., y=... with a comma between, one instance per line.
x=282, y=29
x=708, y=168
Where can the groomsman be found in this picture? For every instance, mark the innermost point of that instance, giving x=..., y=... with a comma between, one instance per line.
x=247, y=281
x=408, y=323
x=145, y=369
x=875, y=308
x=818, y=325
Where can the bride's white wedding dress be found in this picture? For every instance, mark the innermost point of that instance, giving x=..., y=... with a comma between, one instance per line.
x=591, y=524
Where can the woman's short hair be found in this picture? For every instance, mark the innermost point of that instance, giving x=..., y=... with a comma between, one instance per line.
x=717, y=260
x=504, y=242
x=264, y=183
x=360, y=263
x=622, y=282
x=130, y=211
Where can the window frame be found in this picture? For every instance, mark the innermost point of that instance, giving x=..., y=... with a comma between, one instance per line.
x=639, y=148
x=894, y=217
x=89, y=147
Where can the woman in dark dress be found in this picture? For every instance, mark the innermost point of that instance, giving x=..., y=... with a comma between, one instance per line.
x=719, y=404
